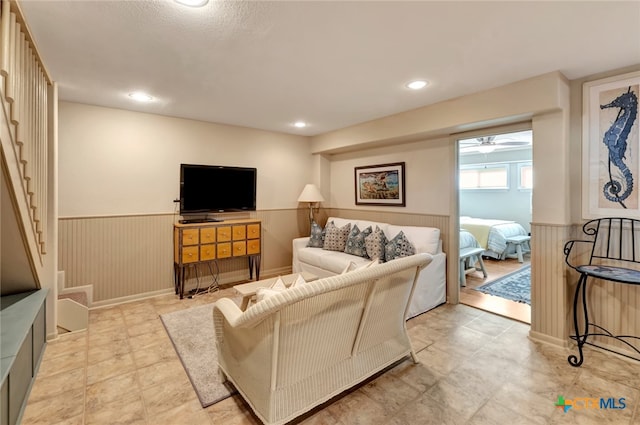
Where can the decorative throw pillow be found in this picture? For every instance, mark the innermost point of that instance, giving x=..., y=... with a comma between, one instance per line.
x=299, y=281
x=398, y=247
x=350, y=267
x=335, y=239
x=355, y=242
x=375, y=243
x=353, y=266
x=277, y=287
x=316, y=239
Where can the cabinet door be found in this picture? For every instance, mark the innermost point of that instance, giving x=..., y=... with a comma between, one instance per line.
x=253, y=231
x=239, y=232
x=239, y=248
x=253, y=246
x=224, y=250
x=224, y=233
x=189, y=254
x=207, y=235
x=190, y=237
x=207, y=252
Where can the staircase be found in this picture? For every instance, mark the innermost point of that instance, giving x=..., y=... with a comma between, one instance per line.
x=28, y=210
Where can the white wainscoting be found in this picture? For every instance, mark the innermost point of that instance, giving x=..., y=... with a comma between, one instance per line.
x=129, y=257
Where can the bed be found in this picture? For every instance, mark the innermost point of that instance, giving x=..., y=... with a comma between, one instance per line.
x=492, y=235
x=467, y=240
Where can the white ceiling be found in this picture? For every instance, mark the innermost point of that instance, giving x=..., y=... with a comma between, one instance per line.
x=333, y=64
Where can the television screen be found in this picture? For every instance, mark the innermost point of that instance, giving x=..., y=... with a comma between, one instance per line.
x=212, y=188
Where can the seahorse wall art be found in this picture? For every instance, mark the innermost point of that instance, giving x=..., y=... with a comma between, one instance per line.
x=620, y=185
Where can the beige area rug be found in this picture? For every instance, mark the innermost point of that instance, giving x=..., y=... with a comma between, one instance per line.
x=196, y=347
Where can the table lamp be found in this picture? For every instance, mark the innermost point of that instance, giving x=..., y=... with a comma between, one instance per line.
x=310, y=194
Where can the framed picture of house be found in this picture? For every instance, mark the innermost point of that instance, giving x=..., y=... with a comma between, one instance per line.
x=381, y=184
x=611, y=147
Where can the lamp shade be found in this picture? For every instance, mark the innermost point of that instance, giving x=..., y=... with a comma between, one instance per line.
x=310, y=193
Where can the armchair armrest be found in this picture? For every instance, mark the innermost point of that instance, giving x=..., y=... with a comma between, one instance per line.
x=225, y=310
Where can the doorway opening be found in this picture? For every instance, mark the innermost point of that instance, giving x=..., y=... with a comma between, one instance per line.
x=494, y=197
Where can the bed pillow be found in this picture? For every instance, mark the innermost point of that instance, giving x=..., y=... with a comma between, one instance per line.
x=375, y=244
x=398, y=247
x=316, y=239
x=335, y=239
x=355, y=242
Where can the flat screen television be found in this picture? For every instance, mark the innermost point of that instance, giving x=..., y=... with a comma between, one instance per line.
x=214, y=188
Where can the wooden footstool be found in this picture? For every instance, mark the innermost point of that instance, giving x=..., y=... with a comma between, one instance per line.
x=517, y=242
x=471, y=255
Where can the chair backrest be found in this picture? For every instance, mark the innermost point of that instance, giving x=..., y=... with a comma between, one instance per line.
x=614, y=238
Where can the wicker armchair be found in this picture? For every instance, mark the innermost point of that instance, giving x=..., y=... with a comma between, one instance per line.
x=301, y=347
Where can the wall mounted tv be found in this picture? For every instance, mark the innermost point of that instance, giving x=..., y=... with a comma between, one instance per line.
x=213, y=188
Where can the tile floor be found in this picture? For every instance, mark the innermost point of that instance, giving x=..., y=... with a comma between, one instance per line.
x=475, y=368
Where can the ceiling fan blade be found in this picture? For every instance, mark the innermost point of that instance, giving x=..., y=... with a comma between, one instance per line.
x=513, y=143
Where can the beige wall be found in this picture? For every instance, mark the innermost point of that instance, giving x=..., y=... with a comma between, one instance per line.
x=119, y=174
x=121, y=162
x=427, y=169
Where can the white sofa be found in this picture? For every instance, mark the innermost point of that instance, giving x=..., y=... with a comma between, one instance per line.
x=299, y=348
x=431, y=288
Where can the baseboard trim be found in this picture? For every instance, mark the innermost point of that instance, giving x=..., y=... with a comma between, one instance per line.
x=137, y=297
x=130, y=298
x=548, y=339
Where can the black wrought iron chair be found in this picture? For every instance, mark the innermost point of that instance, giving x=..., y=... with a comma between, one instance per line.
x=612, y=251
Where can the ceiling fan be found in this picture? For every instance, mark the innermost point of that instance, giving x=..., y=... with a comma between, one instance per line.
x=488, y=144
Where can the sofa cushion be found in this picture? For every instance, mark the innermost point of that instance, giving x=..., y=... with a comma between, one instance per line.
x=355, y=242
x=333, y=261
x=335, y=239
x=398, y=247
x=316, y=239
x=375, y=243
x=424, y=239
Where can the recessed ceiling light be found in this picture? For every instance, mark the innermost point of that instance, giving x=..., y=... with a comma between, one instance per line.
x=193, y=3
x=140, y=96
x=417, y=85
x=300, y=124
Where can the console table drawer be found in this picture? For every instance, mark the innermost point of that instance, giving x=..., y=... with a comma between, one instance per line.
x=207, y=252
x=253, y=246
x=239, y=233
x=239, y=248
x=253, y=231
x=224, y=250
x=190, y=237
x=207, y=235
x=190, y=254
x=224, y=233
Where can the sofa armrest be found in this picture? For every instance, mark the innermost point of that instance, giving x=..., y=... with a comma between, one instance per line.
x=298, y=244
